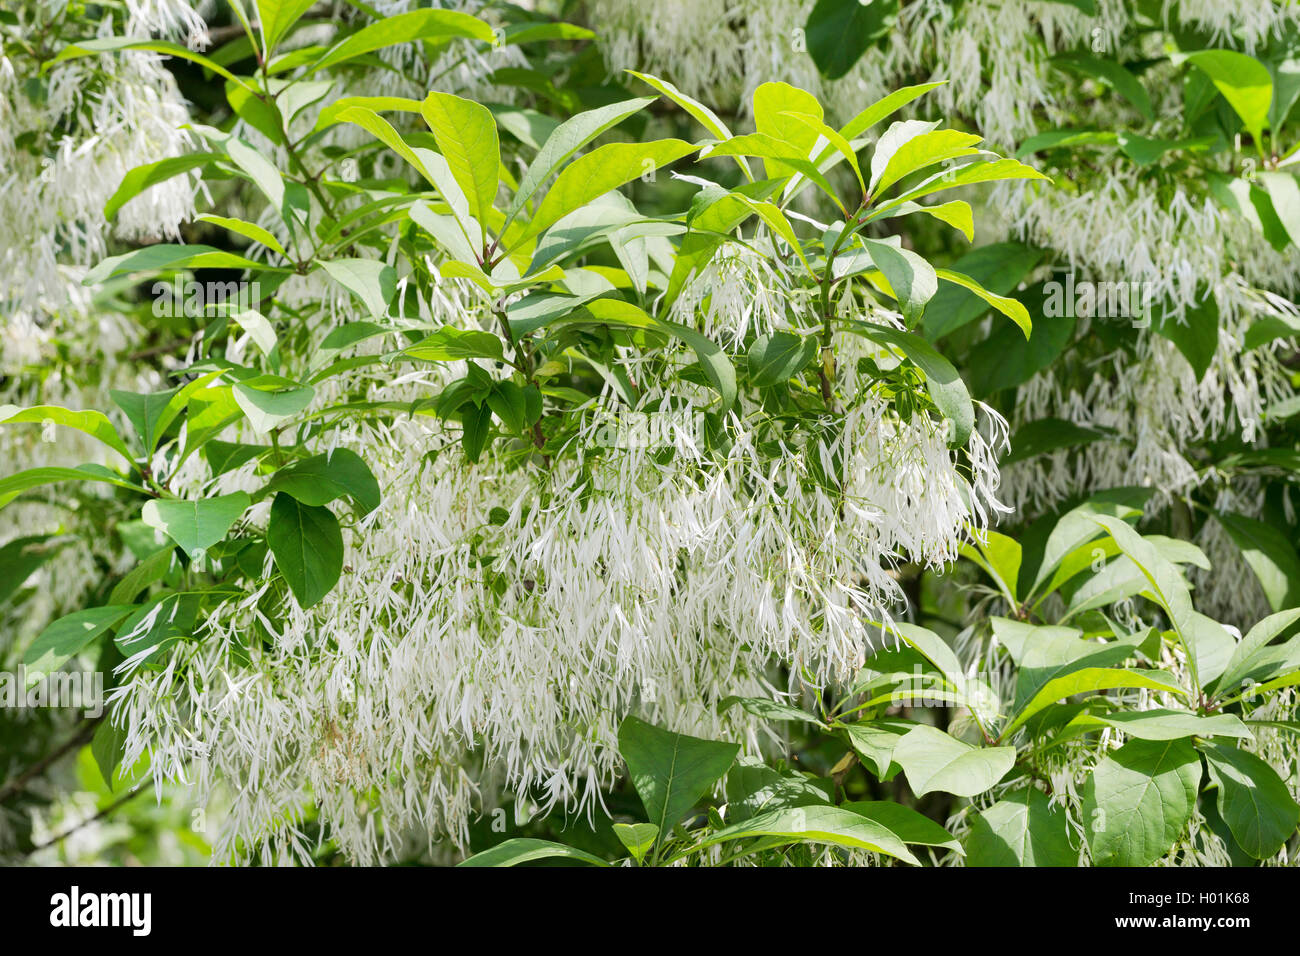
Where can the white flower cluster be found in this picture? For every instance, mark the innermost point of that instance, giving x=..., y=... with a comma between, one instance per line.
x=495, y=621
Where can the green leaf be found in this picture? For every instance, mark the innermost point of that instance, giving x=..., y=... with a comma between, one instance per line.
x=775, y=106
x=943, y=383
x=467, y=138
x=1086, y=680
x=476, y=425
x=67, y=637
x=159, y=258
x=521, y=850
x=450, y=344
x=276, y=18
x=884, y=108
x=371, y=281
x=1076, y=528
x=1244, y=82
x=999, y=268
x=333, y=112
x=114, y=44
x=320, y=479
x=260, y=170
x=1145, y=152
x=910, y=146
x=768, y=709
x=1047, y=435
x=596, y=173
x=1196, y=335
x=1252, y=652
x=107, y=747
x=267, y=401
x=405, y=28
x=842, y=146
x=637, y=837
x=1006, y=359
x=21, y=557
x=840, y=31
x=812, y=824
x=715, y=363
x=566, y=139
x=1253, y=800
x=1009, y=307
x=151, y=569
x=906, y=823
x=1159, y=724
x=912, y=279
x=249, y=230
x=671, y=771
x=15, y=484
x=1000, y=556
x=1167, y=583
x=507, y=402
x=753, y=788
x=93, y=423
x=932, y=760
x=1113, y=75
x=196, y=525
x=157, y=624
x=702, y=114
x=383, y=131
x=956, y=213
x=1284, y=193
x=874, y=742
x=777, y=357
x=1138, y=800
x=1022, y=829
x=307, y=544
x=150, y=174
x=967, y=175
x=1064, y=139
x=1270, y=554
x=150, y=413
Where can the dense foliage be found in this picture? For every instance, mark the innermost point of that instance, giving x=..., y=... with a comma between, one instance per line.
x=447, y=438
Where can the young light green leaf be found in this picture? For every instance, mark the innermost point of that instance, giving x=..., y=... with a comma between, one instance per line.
x=637, y=837
x=467, y=138
x=250, y=230
x=1009, y=307
x=276, y=18
x=912, y=146
x=596, y=173
x=565, y=140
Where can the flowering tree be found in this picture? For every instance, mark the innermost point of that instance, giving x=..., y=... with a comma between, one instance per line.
x=506, y=422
